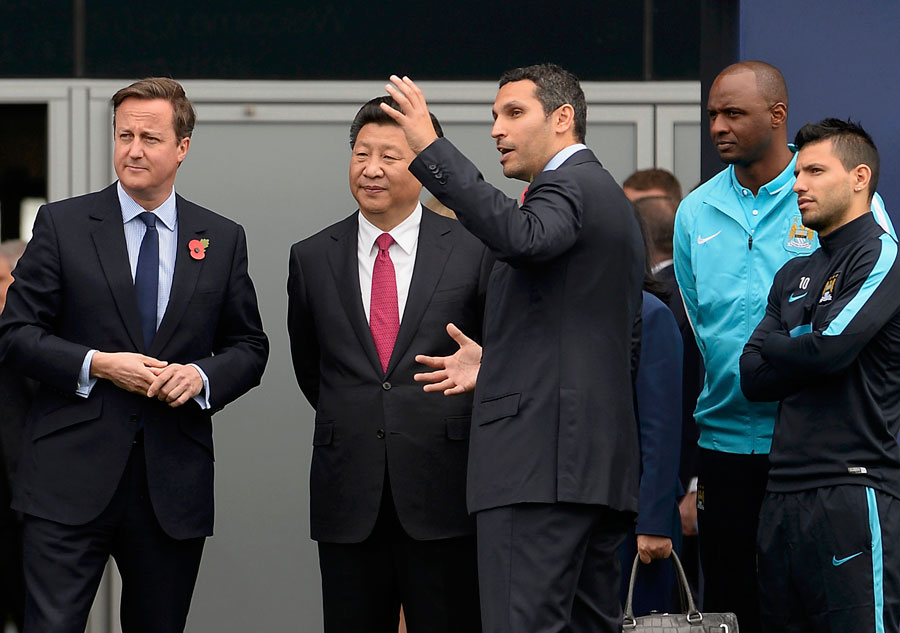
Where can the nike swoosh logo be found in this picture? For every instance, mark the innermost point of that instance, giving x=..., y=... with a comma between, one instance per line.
x=704, y=240
x=841, y=561
x=792, y=298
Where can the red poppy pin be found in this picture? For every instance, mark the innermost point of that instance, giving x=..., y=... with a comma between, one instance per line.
x=198, y=248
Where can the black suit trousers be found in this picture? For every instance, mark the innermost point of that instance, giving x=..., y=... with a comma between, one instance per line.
x=548, y=567
x=64, y=564
x=364, y=584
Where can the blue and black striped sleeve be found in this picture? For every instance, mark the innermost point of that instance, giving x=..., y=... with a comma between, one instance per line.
x=869, y=298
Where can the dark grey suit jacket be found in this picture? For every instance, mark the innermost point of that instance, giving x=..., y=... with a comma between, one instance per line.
x=369, y=421
x=553, y=418
x=73, y=293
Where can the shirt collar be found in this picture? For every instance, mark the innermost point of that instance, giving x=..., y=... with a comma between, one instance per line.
x=563, y=155
x=131, y=209
x=405, y=234
x=777, y=184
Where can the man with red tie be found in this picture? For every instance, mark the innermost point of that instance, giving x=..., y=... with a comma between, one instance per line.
x=387, y=481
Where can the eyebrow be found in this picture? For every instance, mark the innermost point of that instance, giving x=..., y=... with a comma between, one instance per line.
x=384, y=148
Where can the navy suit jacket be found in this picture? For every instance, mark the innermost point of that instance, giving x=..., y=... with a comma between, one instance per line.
x=658, y=389
x=553, y=419
x=369, y=421
x=74, y=292
x=692, y=378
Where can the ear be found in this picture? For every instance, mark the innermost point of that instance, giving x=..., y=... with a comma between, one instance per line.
x=861, y=176
x=778, y=112
x=564, y=118
x=183, y=146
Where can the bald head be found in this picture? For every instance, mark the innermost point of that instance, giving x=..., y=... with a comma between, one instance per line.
x=747, y=109
x=770, y=83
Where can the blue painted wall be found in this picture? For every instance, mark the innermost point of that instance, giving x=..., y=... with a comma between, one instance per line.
x=840, y=59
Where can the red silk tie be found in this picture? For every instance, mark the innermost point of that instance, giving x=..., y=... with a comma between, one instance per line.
x=384, y=314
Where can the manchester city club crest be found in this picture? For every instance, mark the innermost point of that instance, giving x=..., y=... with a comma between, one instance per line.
x=828, y=290
x=799, y=236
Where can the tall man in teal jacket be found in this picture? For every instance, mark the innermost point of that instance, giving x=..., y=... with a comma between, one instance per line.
x=731, y=236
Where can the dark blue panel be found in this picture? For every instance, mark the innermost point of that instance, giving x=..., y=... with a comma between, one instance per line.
x=840, y=59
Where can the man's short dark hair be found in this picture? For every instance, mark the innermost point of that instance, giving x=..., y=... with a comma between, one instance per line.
x=371, y=112
x=646, y=179
x=658, y=216
x=556, y=86
x=849, y=142
x=161, y=88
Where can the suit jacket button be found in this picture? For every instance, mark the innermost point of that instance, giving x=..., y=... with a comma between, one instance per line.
x=379, y=434
x=133, y=417
x=386, y=386
x=432, y=167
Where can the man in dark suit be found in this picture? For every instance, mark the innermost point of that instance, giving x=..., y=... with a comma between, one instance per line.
x=16, y=395
x=133, y=309
x=387, y=482
x=554, y=464
x=658, y=215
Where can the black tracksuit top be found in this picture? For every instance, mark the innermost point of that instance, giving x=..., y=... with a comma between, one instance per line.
x=828, y=348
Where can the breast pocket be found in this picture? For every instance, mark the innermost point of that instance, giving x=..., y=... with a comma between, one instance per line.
x=208, y=297
x=449, y=294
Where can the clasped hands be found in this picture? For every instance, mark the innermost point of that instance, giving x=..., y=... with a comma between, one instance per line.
x=173, y=383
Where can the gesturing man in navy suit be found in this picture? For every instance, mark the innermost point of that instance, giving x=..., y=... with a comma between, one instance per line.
x=554, y=464
x=133, y=309
x=387, y=482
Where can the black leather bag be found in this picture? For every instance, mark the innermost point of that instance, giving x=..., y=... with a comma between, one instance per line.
x=691, y=621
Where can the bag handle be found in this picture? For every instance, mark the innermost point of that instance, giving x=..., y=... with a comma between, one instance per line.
x=693, y=614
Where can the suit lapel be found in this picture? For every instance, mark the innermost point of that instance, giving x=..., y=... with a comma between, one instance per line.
x=109, y=241
x=432, y=253
x=186, y=273
x=345, y=268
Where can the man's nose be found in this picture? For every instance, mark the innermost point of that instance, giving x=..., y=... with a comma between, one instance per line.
x=497, y=130
x=372, y=168
x=717, y=125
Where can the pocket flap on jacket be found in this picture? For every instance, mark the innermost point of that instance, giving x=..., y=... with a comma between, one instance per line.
x=323, y=433
x=67, y=415
x=458, y=427
x=491, y=409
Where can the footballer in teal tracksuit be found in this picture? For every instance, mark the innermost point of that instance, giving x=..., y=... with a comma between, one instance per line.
x=728, y=246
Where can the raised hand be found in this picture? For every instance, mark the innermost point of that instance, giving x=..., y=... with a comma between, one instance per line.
x=415, y=121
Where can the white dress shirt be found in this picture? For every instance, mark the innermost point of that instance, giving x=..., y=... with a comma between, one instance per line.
x=402, y=252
